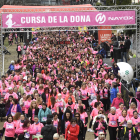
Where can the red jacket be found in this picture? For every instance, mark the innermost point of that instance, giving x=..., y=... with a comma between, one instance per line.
x=116, y=102
x=74, y=132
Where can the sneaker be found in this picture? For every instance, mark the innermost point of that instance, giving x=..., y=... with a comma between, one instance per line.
x=89, y=129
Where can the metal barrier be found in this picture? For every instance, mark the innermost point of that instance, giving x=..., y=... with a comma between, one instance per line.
x=125, y=97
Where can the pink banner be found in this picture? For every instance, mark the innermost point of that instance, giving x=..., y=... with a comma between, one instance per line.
x=68, y=19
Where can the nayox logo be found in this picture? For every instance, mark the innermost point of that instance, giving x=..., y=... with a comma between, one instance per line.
x=100, y=18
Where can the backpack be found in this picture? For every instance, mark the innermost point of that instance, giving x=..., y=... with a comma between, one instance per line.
x=133, y=130
x=48, y=134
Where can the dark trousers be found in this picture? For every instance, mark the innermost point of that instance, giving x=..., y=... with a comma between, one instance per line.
x=112, y=132
x=9, y=138
x=90, y=124
x=85, y=102
x=106, y=103
x=19, y=53
x=21, y=38
x=85, y=130
x=80, y=137
x=119, y=132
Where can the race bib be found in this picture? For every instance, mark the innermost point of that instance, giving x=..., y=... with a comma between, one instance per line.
x=53, y=110
x=44, y=119
x=101, y=96
x=99, y=131
x=10, y=126
x=125, y=123
x=13, y=113
x=113, y=122
x=38, y=133
x=106, y=95
x=84, y=96
x=27, y=135
x=56, y=125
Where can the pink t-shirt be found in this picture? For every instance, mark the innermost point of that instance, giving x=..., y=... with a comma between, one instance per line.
x=13, y=94
x=130, y=113
x=19, y=48
x=118, y=112
x=113, y=120
x=37, y=127
x=60, y=104
x=66, y=124
x=54, y=109
x=135, y=121
x=91, y=91
x=13, y=110
x=9, y=129
x=27, y=105
x=94, y=112
x=33, y=114
x=84, y=94
x=3, y=92
x=83, y=117
x=19, y=124
x=55, y=124
x=121, y=119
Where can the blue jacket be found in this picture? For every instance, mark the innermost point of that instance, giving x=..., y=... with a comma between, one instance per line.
x=42, y=114
x=11, y=67
x=18, y=109
x=113, y=94
x=102, y=52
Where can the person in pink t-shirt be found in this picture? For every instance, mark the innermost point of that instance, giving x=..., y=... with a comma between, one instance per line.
x=71, y=104
x=54, y=105
x=136, y=120
x=131, y=109
x=9, y=128
x=10, y=93
x=84, y=92
x=19, y=50
x=122, y=121
x=27, y=130
x=113, y=123
x=96, y=100
x=119, y=110
x=84, y=118
x=32, y=111
x=37, y=125
x=94, y=113
x=27, y=103
x=20, y=122
x=56, y=122
x=100, y=125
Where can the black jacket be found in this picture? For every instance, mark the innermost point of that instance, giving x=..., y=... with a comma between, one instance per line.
x=44, y=97
x=127, y=43
x=81, y=130
x=48, y=131
x=96, y=126
x=123, y=48
x=30, y=112
x=126, y=135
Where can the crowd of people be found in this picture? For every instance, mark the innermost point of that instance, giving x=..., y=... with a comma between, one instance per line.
x=55, y=91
